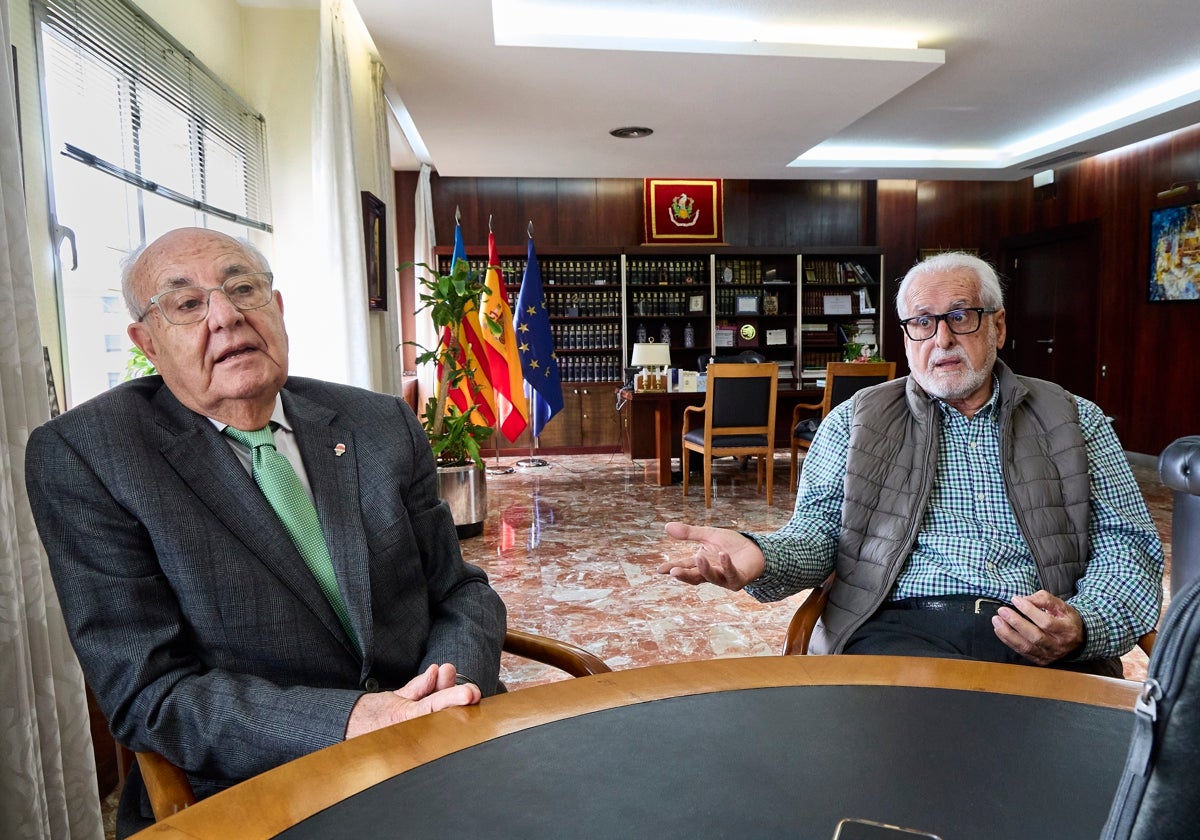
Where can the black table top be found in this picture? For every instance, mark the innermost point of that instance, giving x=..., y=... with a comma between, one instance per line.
x=784, y=761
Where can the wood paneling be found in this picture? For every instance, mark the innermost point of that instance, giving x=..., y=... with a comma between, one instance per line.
x=1147, y=349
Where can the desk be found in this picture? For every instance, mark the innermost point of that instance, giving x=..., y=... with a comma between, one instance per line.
x=752, y=747
x=666, y=409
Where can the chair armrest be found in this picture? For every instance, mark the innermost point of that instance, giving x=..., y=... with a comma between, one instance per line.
x=167, y=786
x=806, y=407
x=562, y=655
x=1146, y=643
x=800, y=628
x=691, y=411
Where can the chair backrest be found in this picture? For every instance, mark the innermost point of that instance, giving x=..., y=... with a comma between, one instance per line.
x=746, y=357
x=844, y=379
x=741, y=398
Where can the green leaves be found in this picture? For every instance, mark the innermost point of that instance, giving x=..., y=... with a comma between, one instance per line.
x=454, y=436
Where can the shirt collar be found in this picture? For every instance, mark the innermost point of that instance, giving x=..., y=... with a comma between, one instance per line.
x=278, y=418
x=988, y=409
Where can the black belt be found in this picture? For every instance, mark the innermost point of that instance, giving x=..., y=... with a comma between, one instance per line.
x=950, y=603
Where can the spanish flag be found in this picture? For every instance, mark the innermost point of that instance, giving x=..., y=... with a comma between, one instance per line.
x=474, y=391
x=503, y=361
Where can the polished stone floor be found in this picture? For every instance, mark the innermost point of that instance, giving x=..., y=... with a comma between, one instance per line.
x=573, y=548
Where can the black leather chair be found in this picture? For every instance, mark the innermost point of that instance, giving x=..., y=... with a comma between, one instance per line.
x=1179, y=469
x=842, y=381
x=737, y=418
x=746, y=357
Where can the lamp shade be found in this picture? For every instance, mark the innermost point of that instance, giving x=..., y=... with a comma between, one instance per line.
x=649, y=354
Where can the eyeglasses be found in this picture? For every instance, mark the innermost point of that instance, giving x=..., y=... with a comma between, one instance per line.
x=189, y=304
x=959, y=322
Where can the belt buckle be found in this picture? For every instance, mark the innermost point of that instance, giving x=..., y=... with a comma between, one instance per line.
x=979, y=601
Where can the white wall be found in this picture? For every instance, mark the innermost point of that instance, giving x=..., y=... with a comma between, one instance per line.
x=269, y=57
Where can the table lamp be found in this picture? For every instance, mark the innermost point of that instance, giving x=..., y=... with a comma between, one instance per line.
x=653, y=359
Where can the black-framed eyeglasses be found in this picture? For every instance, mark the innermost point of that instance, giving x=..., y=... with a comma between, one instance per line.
x=189, y=304
x=959, y=322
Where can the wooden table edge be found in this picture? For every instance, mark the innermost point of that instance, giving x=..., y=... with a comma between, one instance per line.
x=255, y=808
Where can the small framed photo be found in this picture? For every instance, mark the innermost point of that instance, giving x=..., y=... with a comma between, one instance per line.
x=695, y=303
x=747, y=305
x=770, y=304
x=374, y=213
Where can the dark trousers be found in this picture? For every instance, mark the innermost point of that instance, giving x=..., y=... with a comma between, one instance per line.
x=952, y=635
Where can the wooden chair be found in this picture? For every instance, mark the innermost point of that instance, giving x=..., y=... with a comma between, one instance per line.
x=737, y=418
x=799, y=632
x=170, y=791
x=842, y=381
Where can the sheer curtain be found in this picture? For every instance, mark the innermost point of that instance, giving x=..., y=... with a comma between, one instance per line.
x=424, y=240
x=47, y=773
x=393, y=375
x=337, y=209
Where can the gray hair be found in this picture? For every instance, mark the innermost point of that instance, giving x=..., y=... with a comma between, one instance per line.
x=991, y=292
x=129, y=262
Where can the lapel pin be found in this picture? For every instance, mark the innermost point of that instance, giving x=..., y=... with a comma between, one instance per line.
x=339, y=450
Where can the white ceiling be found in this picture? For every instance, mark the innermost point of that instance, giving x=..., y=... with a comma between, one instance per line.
x=992, y=89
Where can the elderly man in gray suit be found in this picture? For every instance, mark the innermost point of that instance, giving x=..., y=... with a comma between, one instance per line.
x=211, y=625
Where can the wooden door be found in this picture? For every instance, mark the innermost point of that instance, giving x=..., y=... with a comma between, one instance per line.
x=1052, y=299
x=600, y=424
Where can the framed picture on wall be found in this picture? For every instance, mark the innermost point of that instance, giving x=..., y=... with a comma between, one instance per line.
x=1175, y=253
x=374, y=214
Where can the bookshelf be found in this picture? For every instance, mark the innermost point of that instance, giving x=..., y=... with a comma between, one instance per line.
x=799, y=309
x=841, y=293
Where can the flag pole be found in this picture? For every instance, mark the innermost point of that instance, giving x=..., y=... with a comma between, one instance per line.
x=496, y=469
x=532, y=462
x=532, y=304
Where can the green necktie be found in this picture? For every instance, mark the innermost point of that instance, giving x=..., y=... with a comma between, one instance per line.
x=279, y=483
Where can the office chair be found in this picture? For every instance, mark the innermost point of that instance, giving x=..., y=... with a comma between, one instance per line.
x=842, y=381
x=800, y=628
x=737, y=418
x=170, y=791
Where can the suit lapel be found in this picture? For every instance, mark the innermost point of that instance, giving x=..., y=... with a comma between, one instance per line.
x=203, y=459
x=331, y=461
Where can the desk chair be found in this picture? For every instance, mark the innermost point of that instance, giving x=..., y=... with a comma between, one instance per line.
x=737, y=418
x=842, y=381
x=803, y=621
x=170, y=791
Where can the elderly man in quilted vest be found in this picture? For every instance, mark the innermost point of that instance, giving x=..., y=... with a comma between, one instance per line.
x=968, y=512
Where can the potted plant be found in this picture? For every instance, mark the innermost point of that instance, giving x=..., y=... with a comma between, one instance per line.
x=454, y=434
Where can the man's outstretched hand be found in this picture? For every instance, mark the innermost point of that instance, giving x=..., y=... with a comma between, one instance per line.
x=723, y=557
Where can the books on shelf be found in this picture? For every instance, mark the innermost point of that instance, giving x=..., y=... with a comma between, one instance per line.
x=836, y=271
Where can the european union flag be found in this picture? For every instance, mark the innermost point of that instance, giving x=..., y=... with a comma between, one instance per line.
x=535, y=345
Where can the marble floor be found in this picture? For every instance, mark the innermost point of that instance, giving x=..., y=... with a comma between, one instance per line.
x=573, y=549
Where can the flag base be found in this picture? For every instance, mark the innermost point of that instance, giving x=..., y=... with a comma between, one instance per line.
x=498, y=470
x=532, y=463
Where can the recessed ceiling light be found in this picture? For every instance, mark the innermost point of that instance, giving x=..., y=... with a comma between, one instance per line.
x=631, y=132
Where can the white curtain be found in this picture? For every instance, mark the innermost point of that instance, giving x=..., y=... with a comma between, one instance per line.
x=47, y=773
x=337, y=210
x=424, y=241
x=385, y=180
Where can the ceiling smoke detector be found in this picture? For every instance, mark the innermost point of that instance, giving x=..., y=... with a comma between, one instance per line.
x=631, y=132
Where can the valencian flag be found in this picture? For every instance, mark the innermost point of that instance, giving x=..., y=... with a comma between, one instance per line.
x=503, y=361
x=535, y=346
x=473, y=391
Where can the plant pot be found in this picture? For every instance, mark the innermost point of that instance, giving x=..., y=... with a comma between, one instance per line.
x=464, y=489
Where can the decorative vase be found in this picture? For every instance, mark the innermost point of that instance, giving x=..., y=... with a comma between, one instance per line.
x=464, y=489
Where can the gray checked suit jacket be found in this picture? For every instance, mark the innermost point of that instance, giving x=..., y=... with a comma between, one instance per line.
x=200, y=630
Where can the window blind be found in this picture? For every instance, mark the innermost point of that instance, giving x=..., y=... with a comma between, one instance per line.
x=142, y=108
